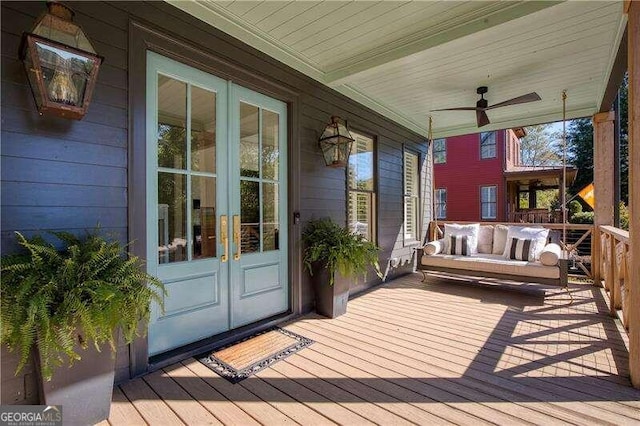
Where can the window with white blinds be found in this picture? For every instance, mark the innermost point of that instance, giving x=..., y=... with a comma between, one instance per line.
x=441, y=203
x=361, y=213
x=411, y=197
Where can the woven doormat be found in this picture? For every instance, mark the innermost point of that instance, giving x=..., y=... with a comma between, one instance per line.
x=239, y=360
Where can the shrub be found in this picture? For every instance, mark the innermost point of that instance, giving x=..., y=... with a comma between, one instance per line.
x=582, y=217
x=624, y=216
x=574, y=208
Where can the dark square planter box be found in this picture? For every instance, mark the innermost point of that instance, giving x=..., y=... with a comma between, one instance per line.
x=84, y=390
x=331, y=301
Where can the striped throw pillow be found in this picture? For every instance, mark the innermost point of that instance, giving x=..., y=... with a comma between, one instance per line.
x=519, y=248
x=459, y=244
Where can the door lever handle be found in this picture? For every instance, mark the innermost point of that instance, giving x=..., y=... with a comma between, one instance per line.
x=224, y=237
x=236, y=237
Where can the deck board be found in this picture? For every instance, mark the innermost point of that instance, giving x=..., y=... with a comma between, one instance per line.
x=210, y=398
x=260, y=410
x=441, y=352
x=122, y=411
x=150, y=406
x=188, y=409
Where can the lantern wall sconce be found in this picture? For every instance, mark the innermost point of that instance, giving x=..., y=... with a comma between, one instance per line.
x=61, y=64
x=336, y=142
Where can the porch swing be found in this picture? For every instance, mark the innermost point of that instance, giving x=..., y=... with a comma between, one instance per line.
x=539, y=261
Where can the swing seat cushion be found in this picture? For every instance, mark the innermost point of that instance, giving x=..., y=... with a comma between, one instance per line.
x=490, y=263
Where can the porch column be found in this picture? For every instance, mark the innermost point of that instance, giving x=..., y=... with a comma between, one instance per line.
x=533, y=199
x=603, y=181
x=633, y=59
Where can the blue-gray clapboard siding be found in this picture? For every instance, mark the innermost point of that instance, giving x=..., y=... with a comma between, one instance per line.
x=59, y=174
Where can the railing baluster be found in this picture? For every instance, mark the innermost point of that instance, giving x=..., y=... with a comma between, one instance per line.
x=611, y=276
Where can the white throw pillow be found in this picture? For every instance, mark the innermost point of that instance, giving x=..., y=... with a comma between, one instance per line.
x=499, y=239
x=471, y=231
x=537, y=235
x=550, y=254
x=485, y=239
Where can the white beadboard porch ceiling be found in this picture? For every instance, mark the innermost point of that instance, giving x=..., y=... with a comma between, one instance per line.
x=405, y=58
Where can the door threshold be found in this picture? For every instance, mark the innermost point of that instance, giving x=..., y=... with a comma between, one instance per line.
x=173, y=356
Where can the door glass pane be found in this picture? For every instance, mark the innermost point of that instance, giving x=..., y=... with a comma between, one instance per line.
x=270, y=212
x=172, y=123
x=270, y=151
x=250, y=216
x=172, y=218
x=249, y=140
x=203, y=130
x=203, y=216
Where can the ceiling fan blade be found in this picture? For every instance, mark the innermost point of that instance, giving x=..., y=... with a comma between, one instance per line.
x=482, y=118
x=529, y=97
x=457, y=109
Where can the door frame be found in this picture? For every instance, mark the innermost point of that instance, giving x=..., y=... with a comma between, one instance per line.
x=143, y=37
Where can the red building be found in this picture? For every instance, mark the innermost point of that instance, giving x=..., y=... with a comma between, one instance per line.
x=478, y=177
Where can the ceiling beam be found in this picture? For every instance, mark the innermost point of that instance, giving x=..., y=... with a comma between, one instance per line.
x=616, y=76
x=347, y=73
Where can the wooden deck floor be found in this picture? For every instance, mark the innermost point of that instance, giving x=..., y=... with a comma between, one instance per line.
x=413, y=353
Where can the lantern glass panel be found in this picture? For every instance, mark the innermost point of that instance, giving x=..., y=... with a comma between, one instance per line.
x=63, y=31
x=33, y=79
x=65, y=74
x=336, y=154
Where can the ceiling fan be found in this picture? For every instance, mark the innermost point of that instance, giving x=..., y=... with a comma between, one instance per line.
x=482, y=105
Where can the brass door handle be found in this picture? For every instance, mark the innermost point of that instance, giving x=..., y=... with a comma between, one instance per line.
x=237, y=237
x=224, y=237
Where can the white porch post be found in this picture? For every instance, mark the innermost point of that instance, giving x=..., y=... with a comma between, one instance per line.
x=632, y=9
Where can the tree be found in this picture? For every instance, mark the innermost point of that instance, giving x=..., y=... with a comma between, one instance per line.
x=538, y=147
x=624, y=140
x=580, y=152
x=580, y=148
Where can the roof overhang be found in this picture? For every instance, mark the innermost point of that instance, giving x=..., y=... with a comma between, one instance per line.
x=544, y=176
x=405, y=59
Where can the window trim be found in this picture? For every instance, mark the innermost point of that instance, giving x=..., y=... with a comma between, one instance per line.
x=435, y=203
x=481, y=187
x=374, y=192
x=433, y=151
x=417, y=240
x=495, y=145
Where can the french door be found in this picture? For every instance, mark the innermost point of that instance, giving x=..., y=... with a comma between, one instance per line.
x=216, y=203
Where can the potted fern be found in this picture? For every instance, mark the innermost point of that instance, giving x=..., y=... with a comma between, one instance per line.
x=334, y=256
x=68, y=306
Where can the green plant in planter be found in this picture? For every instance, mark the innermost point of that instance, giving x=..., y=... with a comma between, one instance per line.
x=90, y=285
x=338, y=249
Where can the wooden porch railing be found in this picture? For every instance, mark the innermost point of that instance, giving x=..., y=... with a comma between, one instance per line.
x=535, y=216
x=615, y=269
x=578, y=242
